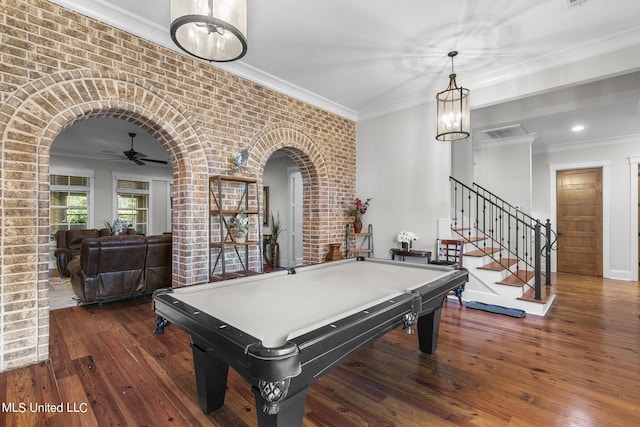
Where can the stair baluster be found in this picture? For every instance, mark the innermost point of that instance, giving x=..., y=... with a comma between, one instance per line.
x=510, y=230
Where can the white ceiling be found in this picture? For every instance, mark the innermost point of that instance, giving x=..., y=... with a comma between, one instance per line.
x=106, y=139
x=362, y=58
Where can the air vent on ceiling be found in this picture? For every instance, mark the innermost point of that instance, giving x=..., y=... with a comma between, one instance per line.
x=505, y=131
x=574, y=3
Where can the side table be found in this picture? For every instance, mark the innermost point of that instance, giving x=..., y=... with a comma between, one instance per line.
x=402, y=254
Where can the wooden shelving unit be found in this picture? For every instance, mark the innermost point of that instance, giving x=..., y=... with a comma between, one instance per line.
x=228, y=196
x=358, y=244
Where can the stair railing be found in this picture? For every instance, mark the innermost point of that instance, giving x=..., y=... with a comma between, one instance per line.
x=503, y=232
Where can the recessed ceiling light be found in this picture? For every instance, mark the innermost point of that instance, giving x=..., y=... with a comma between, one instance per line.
x=577, y=128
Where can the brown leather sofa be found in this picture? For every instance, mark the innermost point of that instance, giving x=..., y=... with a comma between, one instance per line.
x=157, y=267
x=68, y=246
x=113, y=267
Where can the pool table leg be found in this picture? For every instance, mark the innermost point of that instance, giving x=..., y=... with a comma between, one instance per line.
x=428, y=329
x=291, y=412
x=211, y=379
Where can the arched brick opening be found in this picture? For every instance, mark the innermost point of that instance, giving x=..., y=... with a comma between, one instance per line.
x=308, y=158
x=36, y=114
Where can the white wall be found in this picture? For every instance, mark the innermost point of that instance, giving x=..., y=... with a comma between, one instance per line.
x=406, y=171
x=505, y=170
x=597, y=67
x=620, y=212
x=161, y=206
x=462, y=161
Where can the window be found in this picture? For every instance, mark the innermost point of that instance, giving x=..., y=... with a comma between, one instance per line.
x=69, y=208
x=133, y=204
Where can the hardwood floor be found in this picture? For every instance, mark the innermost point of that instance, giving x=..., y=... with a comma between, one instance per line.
x=577, y=366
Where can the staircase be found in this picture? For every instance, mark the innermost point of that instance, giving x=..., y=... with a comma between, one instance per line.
x=507, y=252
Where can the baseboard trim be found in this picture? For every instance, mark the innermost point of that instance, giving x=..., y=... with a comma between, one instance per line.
x=618, y=275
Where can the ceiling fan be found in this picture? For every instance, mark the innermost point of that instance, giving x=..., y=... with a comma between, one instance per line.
x=139, y=158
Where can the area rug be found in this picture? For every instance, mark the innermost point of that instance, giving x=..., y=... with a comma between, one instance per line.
x=60, y=293
x=513, y=312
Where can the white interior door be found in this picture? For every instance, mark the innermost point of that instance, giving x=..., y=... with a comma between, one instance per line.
x=296, y=254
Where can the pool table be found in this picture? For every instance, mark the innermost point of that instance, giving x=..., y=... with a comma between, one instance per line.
x=282, y=331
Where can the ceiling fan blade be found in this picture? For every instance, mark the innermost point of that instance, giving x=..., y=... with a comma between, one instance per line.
x=133, y=154
x=137, y=157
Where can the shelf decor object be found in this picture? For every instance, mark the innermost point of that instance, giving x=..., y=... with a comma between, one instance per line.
x=356, y=210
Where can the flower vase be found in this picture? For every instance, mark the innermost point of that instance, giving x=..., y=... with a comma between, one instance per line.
x=357, y=225
x=406, y=246
x=275, y=254
x=241, y=236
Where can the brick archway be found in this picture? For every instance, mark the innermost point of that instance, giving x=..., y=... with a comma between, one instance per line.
x=309, y=159
x=36, y=114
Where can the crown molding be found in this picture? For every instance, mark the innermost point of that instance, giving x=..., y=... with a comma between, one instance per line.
x=580, y=145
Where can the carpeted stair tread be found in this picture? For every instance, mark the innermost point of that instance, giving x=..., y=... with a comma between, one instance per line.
x=513, y=312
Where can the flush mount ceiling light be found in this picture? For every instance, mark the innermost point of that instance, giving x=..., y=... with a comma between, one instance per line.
x=453, y=109
x=577, y=128
x=213, y=30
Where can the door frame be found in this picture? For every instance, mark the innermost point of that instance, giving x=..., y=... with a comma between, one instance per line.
x=292, y=261
x=606, y=238
x=634, y=163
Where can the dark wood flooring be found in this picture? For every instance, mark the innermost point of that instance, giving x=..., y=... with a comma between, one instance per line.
x=578, y=366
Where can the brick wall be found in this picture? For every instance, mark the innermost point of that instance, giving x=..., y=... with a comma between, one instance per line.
x=60, y=67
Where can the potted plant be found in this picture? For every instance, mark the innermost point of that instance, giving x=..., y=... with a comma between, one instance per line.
x=356, y=210
x=272, y=248
x=241, y=224
x=114, y=228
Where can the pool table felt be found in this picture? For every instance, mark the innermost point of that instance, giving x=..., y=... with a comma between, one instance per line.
x=277, y=307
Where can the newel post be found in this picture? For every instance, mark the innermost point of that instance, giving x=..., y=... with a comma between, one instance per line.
x=548, y=251
x=538, y=256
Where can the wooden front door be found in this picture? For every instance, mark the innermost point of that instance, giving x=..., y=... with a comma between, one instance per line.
x=579, y=207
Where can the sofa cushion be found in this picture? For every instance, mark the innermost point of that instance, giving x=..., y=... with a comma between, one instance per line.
x=68, y=246
x=112, y=253
x=116, y=262
x=77, y=236
x=117, y=266
x=157, y=273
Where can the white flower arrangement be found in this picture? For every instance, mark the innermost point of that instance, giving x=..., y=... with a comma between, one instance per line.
x=241, y=221
x=406, y=237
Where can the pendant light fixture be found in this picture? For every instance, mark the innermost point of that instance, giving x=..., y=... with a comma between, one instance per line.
x=213, y=30
x=453, y=109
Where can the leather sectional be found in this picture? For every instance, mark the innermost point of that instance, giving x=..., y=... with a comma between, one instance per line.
x=113, y=267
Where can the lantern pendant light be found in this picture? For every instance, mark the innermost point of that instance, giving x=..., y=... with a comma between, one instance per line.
x=453, y=118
